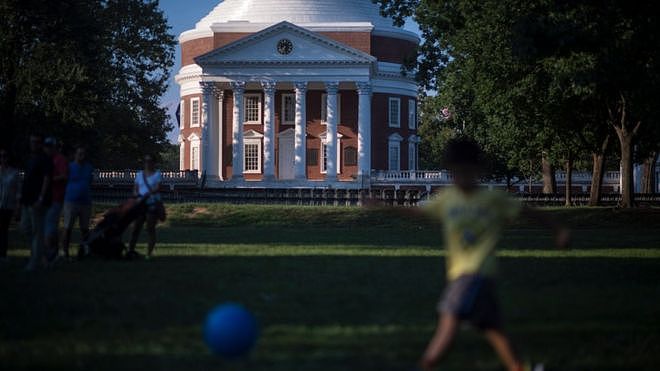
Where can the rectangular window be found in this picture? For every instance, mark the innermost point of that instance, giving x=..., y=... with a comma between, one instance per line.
x=182, y=156
x=194, y=154
x=252, y=156
x=312, y=157
x=252, y=108
x=412, y=114
x=194, y=112
x=412, y=156
x=288, y=109
x=350, y=156
x=395, y=112
x=324, y=158
x=324, y=108
x=394, y=156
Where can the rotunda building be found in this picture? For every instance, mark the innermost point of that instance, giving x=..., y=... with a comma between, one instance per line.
x=296, y=93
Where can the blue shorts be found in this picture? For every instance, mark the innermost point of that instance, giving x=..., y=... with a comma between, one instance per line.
x=472, y=298
x=52, y=221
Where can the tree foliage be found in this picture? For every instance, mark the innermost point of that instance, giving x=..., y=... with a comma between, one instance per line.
x=89, y=72
x=542, y=76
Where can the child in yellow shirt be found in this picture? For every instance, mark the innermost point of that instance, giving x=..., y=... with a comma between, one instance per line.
x=473, y=219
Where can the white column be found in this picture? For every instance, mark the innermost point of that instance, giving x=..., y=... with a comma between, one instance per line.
x=269, y=130
x=220, y=97
x=301, y=131
x=205, y=158
x=238, y=88
x=331, y=109
x=364, y=130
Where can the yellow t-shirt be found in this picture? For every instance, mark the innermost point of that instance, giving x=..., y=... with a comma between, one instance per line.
x=472, y=225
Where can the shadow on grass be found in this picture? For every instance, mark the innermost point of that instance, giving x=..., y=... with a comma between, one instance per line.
x=320, y=312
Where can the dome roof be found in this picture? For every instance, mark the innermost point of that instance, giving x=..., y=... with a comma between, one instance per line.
x=300, y=12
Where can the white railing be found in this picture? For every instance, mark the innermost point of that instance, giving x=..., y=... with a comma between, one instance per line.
x=124, y=177
x=412, y=176
x=440, y=177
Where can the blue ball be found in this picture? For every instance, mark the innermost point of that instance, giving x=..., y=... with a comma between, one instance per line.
x=230, y=330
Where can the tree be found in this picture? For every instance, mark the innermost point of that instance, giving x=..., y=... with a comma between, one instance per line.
x=89, y=72
x=563, y=70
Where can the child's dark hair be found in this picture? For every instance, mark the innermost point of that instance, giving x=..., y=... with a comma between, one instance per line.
x=461, y=152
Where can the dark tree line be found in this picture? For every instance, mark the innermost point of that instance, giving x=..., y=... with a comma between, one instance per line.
x=90, y=72
x=542, y=84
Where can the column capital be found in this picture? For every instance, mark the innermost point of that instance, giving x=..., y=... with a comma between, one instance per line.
x=208, y=87
x=269, y=87
x=238, y=86
x=364, y=88
x=301, y=86
x=332, y=87
x=218, y=93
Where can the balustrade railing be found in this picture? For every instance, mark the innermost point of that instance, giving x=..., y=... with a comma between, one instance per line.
x=127, y=177
x=445, y=177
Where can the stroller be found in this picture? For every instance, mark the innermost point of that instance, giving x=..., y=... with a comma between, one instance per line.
x=105, y=240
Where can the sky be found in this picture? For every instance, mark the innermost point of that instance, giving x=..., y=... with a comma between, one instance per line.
x=182, y=16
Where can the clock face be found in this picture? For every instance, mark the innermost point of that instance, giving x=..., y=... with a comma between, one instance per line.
x=284, y=46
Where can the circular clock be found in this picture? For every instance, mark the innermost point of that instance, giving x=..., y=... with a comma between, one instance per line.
x=284, y=46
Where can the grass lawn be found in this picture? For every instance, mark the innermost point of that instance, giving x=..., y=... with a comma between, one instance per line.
x=336, y=289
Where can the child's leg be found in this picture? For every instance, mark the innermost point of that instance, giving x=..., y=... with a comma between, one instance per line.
x=444, y=334
x=502, y=346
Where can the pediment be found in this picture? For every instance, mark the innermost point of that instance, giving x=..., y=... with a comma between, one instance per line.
x=307, y=48
x=252, y=134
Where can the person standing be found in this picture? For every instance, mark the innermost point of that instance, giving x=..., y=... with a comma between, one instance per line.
x=147, y=184
x=35, y=199
x=59, y=179
x=77, y=198
x=8, y=200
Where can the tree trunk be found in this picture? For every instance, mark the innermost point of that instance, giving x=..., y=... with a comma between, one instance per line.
x=569, y=180
x=648, y=176
x=627, y=194
x=597, y=173
x=625, y=136
x=549, y=182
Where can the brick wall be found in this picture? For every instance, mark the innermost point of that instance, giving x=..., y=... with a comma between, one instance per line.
x=388, y=49
x=380, y=130
x=358, y=40
x=193, y=48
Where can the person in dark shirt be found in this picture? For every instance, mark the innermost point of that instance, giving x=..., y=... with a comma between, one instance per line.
x=35, y=199
x=58, y=185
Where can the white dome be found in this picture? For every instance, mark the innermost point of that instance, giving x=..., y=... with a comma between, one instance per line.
x=300, y=12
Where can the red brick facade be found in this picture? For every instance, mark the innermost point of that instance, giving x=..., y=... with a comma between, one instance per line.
x=347, y=127
x=385, y=49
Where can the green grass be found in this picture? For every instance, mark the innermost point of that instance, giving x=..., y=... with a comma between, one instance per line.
x=336, y=289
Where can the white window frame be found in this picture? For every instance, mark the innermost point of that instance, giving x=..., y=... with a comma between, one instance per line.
x=192, y=112
x=293, y=98
x=394, y=142
x=252, y=137
x=182, y=114
x=412, y=156
x=412, y=114
x=322, y=150
x=245, y=115
x=324, y=108
x=394, y=122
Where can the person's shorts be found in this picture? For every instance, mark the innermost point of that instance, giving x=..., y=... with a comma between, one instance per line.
x=472, y=298
x=82, y=211
x=52, y=219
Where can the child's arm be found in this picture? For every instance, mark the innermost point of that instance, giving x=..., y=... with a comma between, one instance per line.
x=562, y=233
